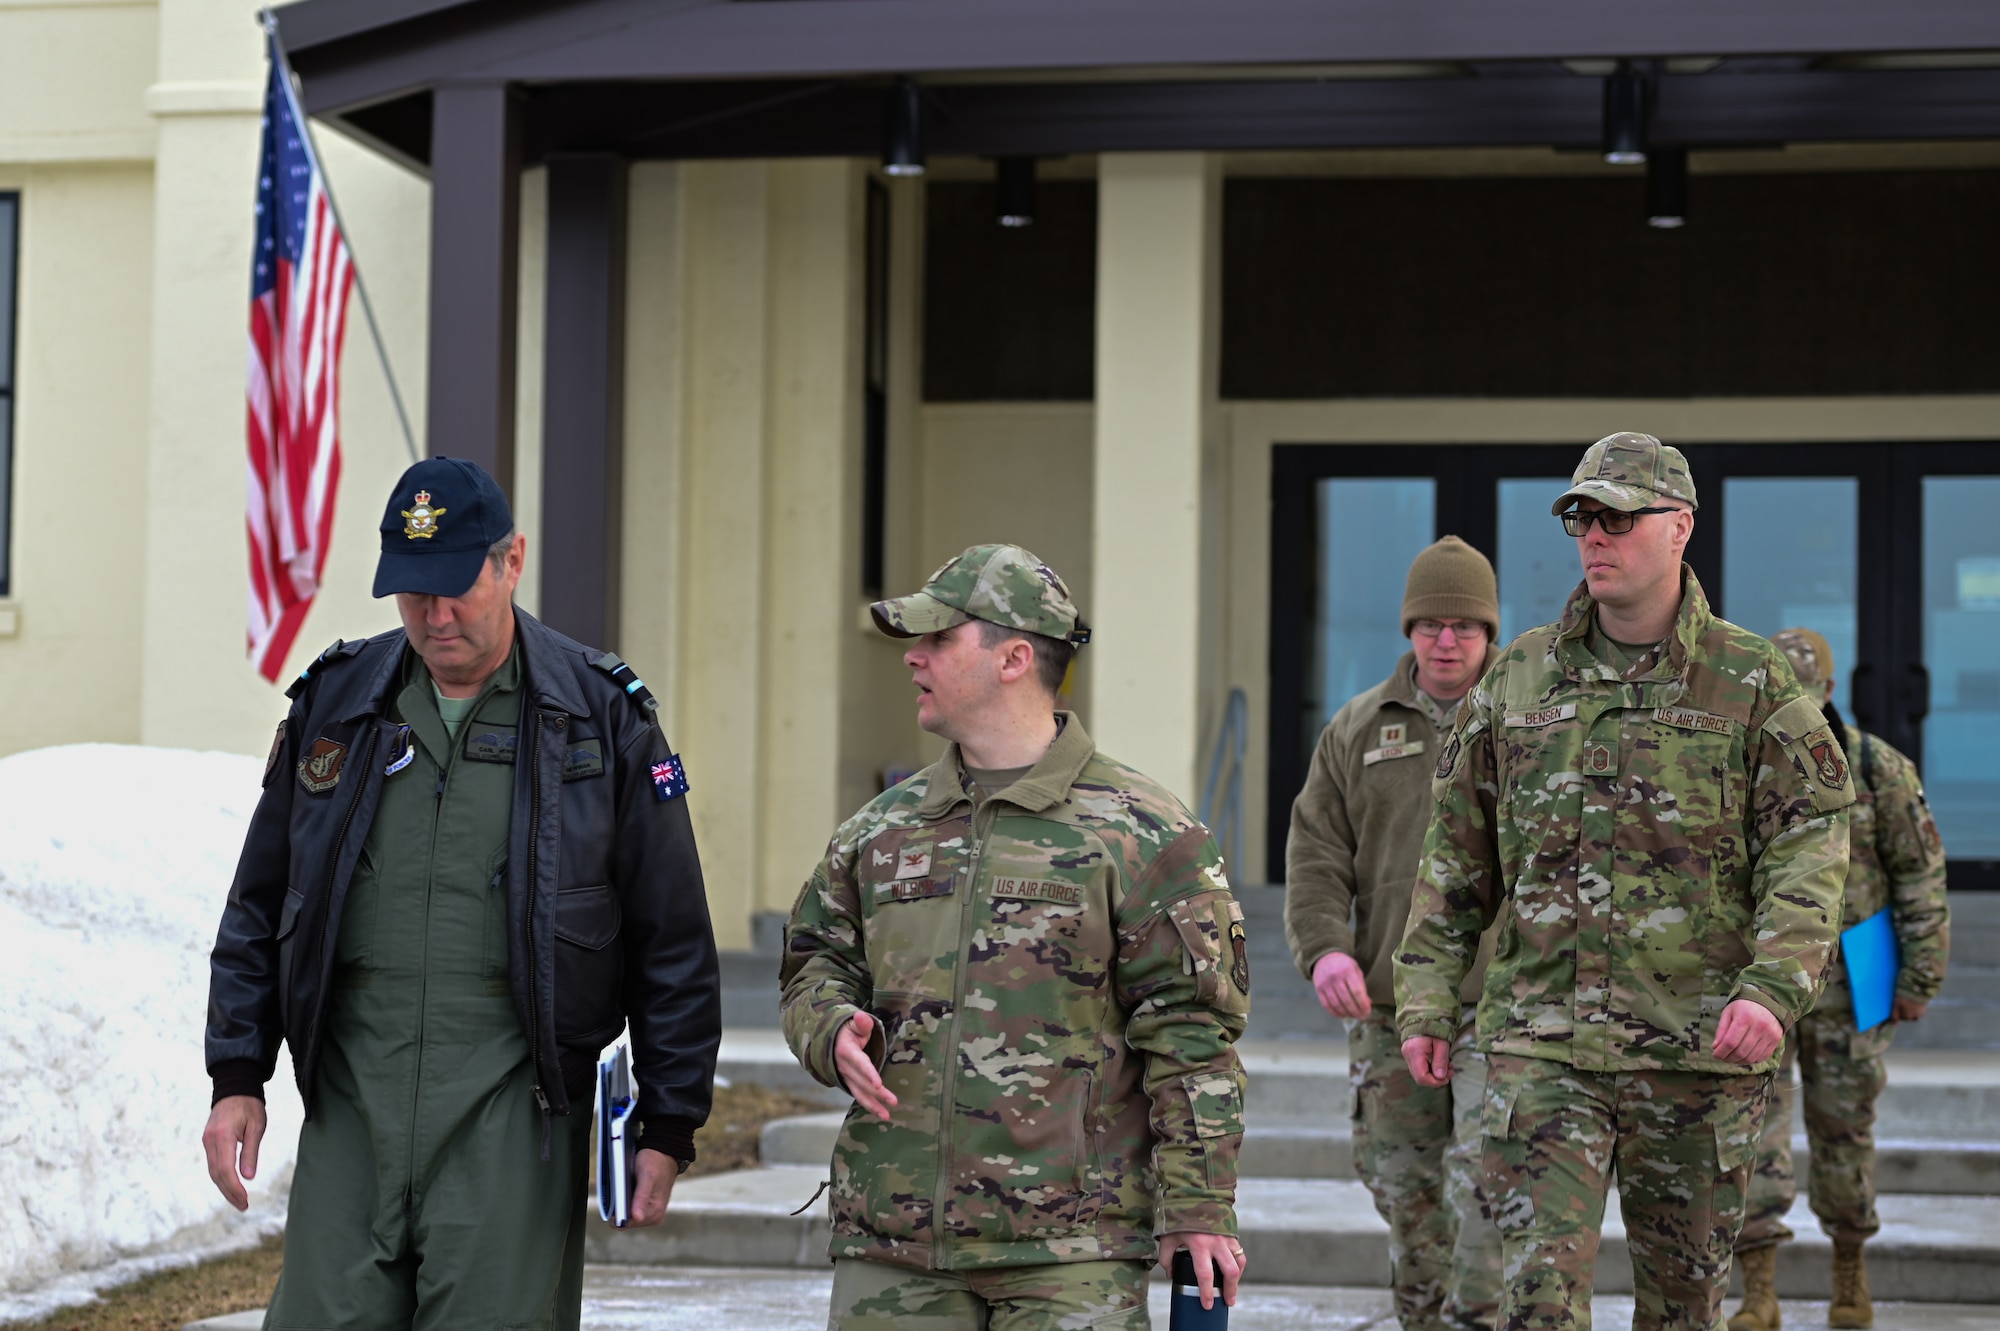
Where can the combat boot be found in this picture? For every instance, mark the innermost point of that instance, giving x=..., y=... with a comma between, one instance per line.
x=1851, y=1305
x=1760, y=1290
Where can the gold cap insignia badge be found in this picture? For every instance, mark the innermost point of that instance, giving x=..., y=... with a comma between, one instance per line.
x=421, y=523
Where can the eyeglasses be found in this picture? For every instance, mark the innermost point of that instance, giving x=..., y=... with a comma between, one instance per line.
x=1470, y=629
x=1577, y=521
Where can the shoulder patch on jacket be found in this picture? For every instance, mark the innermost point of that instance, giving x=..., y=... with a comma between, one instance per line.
x=277, y=748
x=1801, y=728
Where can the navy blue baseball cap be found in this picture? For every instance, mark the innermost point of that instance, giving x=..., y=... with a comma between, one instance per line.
x=442, y=518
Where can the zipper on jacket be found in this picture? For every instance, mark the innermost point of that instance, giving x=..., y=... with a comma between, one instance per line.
x=319, y=943
x=946, y=1112
x=534, y=959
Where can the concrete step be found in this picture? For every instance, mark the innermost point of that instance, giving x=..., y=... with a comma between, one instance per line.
x=1307, y=1149
x=1933, y=1094
x=736, y=1298
x=1323, y=1232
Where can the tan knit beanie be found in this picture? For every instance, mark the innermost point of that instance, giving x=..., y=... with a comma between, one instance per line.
x=1809, y=653
x=1451, y=580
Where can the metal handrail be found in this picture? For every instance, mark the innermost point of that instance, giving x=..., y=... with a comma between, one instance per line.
x=1230, y=742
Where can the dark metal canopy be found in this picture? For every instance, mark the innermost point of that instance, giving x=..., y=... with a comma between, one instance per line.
x=698, y=78
x=471, y=90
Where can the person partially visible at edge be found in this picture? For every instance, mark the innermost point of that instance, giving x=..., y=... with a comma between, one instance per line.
x=470, y=868
x=1026, y=964
x=1895, y=863
x=1662, y=812
x=1357, y=829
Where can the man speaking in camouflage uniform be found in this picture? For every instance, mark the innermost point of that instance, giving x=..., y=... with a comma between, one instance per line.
x=1895, y=863
x=1027, y=966
x=1664, y=811
x=1357, y=828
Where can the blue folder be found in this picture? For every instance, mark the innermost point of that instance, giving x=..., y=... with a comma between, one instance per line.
x=1872, y=958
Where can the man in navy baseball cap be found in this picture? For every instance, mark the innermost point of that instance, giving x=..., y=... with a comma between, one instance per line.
x=444, y=517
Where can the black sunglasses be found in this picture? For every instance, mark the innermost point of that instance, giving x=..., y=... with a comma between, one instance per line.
x=1577, y=521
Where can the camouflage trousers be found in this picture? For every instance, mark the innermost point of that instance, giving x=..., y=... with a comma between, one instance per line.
x=1843, y=1073
x=1418, y=1150
x=1681, y=1144
x=1064, y=1296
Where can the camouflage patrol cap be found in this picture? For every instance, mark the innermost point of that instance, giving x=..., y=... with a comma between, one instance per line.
x=1629, y=471
x=1809, y=653
x=1001, y=584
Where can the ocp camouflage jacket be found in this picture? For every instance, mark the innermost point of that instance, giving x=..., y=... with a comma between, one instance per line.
x=1668, y=844
x=1896, y=861
x=1058, y=978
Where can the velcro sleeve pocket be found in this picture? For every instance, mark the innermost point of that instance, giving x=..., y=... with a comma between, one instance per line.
x=1215, y=1100
x=1204, y=929
x=1801, y=729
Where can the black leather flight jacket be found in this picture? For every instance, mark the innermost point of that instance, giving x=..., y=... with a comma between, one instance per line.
x=608, y=921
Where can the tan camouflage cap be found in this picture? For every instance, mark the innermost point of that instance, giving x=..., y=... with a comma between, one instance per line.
x=1001, y=584
x=1629, y=471
x=1809, y=653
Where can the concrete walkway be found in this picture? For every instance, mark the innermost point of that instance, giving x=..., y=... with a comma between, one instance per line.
x=639, y=1298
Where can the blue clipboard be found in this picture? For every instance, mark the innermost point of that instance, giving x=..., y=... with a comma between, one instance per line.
x=1873, y=959
x=617, y=1147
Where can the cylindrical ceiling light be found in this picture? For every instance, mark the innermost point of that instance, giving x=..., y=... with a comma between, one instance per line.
x=1625, y=116
x=1014, y=191
x=1667, y=187
x=903, y=131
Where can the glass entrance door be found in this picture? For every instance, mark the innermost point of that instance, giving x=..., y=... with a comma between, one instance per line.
x=1960, y=638
x=1892, y=551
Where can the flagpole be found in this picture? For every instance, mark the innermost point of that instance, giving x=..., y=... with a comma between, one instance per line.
x=270, y=22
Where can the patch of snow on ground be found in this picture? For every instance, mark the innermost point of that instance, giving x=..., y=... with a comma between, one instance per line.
x=115, y=861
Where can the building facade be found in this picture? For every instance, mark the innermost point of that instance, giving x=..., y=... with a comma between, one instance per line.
x=1253, y=353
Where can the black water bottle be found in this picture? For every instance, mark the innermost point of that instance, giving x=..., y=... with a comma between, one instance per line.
x=1185, y=1312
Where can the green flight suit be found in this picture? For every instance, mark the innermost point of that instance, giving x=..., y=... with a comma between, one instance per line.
x=422, y=1199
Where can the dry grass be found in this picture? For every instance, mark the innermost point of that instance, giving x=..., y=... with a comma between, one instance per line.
x=729, y=1139
x=171, y=1299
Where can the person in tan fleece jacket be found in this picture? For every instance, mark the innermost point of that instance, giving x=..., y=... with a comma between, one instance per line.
x=1350, y=862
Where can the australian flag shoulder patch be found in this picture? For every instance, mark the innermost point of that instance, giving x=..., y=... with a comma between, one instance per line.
x=669, y=778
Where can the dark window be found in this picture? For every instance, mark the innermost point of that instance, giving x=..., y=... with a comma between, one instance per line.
x=875, y=394
x=10, y=228
x=1010, y=313
x=1884, y=548
x=1863, y=282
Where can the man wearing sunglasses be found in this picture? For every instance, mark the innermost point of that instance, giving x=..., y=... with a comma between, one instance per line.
x=1663, y=812
x=1350, y=862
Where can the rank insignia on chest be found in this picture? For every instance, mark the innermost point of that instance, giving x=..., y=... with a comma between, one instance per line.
x=1598, y=760
x=402, y=751
x=319, y=770
x=913, y=861
x=669, y=778
x=1393, y=735
x=421, y=522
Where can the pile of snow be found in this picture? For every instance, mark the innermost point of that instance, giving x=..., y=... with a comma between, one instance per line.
x=115, y=862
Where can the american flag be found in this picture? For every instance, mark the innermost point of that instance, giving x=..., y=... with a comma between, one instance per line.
x=299, y=280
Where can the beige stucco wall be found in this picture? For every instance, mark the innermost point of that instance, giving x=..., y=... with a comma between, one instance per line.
x=70, y=669
x=130, y=131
